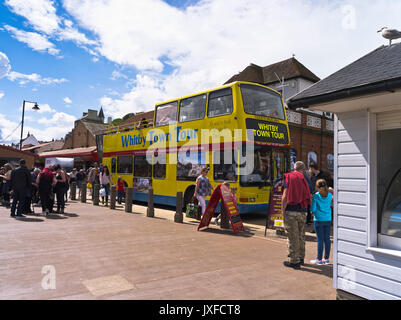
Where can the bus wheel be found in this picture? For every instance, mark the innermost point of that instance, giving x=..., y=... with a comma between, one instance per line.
x=188, y=196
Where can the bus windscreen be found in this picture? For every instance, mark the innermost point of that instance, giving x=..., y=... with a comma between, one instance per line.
x=262, y=102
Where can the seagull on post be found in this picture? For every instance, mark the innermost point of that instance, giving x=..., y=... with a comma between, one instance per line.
x=390, y=34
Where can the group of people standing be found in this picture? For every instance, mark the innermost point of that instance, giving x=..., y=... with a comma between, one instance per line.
x=297, y=200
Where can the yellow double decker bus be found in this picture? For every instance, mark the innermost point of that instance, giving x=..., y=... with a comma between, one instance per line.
x=239, y=131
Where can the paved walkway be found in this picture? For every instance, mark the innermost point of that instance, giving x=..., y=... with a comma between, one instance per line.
x=98, y=253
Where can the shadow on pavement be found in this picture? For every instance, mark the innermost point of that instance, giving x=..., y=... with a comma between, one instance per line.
x=326, y=270
x=55, y=217
x=29, y=219
x=71, y=215
x=245, y=233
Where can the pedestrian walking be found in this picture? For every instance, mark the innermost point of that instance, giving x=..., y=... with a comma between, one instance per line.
x=94, y=176
x=317, y=174
x=120, y=190
x=20, y=184
x=73, y=178
x=203, y=188
x=295, y=201
x=60, y=186
x=105, y=181
x=45, y=182
x=81, y=180
x=321, y=208
x=8, y=168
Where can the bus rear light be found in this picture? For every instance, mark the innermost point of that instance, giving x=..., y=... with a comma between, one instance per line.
x=251, y=199
x=243, y=199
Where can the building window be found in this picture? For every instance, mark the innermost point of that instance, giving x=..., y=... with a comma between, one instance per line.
x=330, y=162
x=389, y=188
x=312, y=158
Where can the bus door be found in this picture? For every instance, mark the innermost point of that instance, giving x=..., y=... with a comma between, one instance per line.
x=281, y=163
x=162, y=186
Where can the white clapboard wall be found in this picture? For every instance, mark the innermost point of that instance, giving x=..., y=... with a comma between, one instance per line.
x=357, y=270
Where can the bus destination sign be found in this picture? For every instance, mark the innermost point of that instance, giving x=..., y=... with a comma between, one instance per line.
x=267, y=131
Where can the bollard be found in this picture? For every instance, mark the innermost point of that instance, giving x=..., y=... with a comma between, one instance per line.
x=225, y=222
x=83, y=193
x=178, y=217
x=96, y=189
x=113, y=194
x=151, y=209
x=128, y=199
x=73, y=191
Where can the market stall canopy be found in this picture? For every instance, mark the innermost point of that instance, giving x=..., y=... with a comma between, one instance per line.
x=87, y=154
x=376, y=74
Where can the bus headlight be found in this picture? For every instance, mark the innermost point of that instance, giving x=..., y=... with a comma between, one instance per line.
x=251, y=199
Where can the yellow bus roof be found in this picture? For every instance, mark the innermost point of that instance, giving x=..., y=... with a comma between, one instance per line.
x=232, y=84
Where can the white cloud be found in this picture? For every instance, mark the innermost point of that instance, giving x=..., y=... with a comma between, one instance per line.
x=34, y=77
x=42, y=17
x=117, y=74
x=41, y=14
x=1, y=94
x=207, y=43
x=4, y=65
x=57, y=126
x=67, y=100
x=34, y=40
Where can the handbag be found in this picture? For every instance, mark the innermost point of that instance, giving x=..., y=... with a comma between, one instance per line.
x=102, y=192
x=190, y=210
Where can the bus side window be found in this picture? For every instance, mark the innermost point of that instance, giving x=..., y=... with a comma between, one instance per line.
x=224, y=170
x=113, y=165
x=220, y=103
x=159, y=168
x=124, y=164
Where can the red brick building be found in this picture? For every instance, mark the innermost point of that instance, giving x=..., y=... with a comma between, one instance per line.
x=311, y=132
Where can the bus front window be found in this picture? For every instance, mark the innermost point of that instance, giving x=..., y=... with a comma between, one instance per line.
x=261, y=174
x=262, y=102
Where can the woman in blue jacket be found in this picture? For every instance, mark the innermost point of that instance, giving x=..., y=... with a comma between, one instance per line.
x=321, y=208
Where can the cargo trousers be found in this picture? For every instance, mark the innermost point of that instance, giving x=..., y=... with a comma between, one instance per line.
x=294, y=224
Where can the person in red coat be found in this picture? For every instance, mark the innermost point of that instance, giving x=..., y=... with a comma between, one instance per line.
x=295, y=202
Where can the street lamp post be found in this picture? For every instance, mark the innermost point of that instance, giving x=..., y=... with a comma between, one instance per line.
x=35, y=107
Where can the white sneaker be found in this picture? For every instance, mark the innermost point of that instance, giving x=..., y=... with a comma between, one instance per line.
x=326, y=261
x=318, y=262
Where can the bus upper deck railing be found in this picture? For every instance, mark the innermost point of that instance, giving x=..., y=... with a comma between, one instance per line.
x=128, y=127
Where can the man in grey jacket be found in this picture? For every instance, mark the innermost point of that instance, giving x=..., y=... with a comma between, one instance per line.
x=21, y=182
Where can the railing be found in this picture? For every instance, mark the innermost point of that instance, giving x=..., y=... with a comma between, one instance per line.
x=128, y=127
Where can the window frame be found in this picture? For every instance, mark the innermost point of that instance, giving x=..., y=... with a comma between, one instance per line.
x=165, y=104
x=376, y=242
x=214, y=164
x=165, y=170
x=134, y=171
x=179, y=107
x=208, y=103
x=261, y=115
x=132, y=164
x=114, y=159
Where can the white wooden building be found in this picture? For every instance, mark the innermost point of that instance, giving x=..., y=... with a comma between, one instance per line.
x=366, y=99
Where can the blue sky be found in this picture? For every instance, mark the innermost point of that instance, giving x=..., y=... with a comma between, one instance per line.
x=127, y=55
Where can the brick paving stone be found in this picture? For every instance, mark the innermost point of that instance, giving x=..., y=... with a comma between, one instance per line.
x=149, y=258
